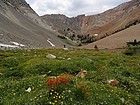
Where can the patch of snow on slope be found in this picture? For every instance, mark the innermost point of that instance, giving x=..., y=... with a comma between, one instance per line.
x=17, y=44
x=5, y=45
x=50, y=43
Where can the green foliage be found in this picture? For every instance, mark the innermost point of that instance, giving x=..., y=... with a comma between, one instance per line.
x=21, y=69
x=132, y=50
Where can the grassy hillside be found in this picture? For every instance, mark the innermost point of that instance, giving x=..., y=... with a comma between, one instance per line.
x=22, y=79
x=117, y=40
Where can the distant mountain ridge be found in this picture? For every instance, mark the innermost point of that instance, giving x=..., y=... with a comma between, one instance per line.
x=104, y=24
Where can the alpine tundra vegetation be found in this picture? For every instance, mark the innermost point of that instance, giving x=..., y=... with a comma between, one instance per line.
x=29, y=77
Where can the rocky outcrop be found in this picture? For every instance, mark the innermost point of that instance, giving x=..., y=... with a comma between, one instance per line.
x=23, y=7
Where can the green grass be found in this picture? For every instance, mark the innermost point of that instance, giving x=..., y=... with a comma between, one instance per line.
x=21, y=69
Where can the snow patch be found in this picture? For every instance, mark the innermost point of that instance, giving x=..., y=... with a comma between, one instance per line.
x=95, y=34
x=17, y=44
x=50, y=43
x=5, y=45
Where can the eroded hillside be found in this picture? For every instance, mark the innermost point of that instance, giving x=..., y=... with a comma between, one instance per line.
x=19, y=23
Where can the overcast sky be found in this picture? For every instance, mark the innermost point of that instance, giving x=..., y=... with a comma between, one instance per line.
x=73, y=7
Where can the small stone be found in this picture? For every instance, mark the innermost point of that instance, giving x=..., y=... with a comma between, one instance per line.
x=28, y=90
x=51, y=56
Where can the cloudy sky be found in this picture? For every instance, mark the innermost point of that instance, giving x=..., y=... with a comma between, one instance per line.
x=73, y=7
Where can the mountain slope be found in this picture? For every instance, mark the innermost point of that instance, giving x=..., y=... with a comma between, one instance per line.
x=117, y=40
x=104, y=24
x=19, y=23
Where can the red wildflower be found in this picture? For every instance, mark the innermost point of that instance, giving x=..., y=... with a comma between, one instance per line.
x=58, y=81
x=78, y=87
x=51, y=81
x=87, y=93
x=63, y=79
x=82, y=85
x=84, y=88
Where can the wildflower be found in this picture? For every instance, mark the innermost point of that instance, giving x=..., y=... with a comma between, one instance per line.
x=78, y=87
x=62, y=96
x=87, y=93
x=1, y=86
x=69, y=91
x=51, y=81
x=122, y=99
x=62, y=103
x=84, y=88
x=82, y=85
x=58, y=81
x=70, y=99
x=49, y=102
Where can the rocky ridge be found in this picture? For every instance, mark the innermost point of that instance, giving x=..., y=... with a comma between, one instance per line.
x=104, y=24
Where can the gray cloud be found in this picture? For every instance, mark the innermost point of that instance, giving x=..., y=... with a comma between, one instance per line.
x=72, y=7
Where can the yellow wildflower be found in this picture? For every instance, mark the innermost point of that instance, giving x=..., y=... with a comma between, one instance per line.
x=49, y=102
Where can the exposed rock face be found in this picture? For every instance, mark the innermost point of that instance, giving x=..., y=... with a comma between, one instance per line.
x=61, y=22
x=24, y=8
x=103, y=24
